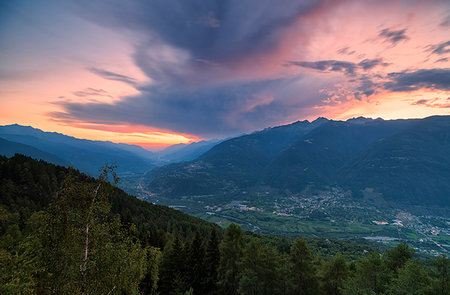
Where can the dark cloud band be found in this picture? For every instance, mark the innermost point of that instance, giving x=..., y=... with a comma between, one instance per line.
x=425, y=78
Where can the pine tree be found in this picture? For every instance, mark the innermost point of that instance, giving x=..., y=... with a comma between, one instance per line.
x=196, y=271
x=231, y=252
x=442, y=274
x=371, y=276
x=284, y=273
x=149, y=283
x=212, y=260
x=411, y=280
x=172, y=271
x=398, y=256
x=334, y=274
x=303, y=275
x=259, y=270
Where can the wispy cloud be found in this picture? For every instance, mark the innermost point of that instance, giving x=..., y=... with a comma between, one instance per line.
x=424, y=78
x=440, y=49
x=446, y=22
x=113, y=76
x=88, y=92
x=346, y=67
x=434, y=103
x=393, y=36
x=444, y=59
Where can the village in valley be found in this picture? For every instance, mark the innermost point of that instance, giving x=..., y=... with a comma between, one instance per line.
x=332, y=213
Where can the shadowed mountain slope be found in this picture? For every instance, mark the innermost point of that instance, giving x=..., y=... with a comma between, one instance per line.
x=86, y=155
x=402, y=161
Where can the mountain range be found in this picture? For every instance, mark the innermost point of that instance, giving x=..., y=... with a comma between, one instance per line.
x=185, y=152
x=387, y=161
x=86, y=155
x=396, y=161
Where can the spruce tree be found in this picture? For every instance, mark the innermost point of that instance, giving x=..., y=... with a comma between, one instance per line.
x=196, y=271
x=411, y=280
x=303, y=276
x=442, y=275
x=259, y=270
x=149, y=283
x=231, y=252
x=334, y=274
x=371, y=276
x=212, y=260
x=397, y=257
x=172, y=272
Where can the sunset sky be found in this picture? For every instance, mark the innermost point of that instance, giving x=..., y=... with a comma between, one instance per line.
x=162, y=72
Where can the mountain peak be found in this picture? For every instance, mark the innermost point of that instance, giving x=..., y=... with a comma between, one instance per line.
x=319, y=120
x=359, y=120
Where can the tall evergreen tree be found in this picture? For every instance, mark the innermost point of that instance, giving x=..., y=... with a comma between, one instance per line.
x=196, y=271
x=334, y=274
x=371, y=276
x=285, y=285
x=231, y=252
x=397, y=257
x=149, y=283
x=411, y=280
x=172, y=272
x=303, y=274
x=259, y=270
x=442, y=275
x=212, y=260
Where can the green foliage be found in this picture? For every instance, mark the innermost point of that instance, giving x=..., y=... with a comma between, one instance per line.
x=231, y=253
x=67, y=233
x=398, y=256
x=196, y=271
x=259, y=270
x=441, y=274
x=411, y=280
x=212, y=260
x=85, y=249
x=334, y=274
x=149, y=283
x=16, y=273
x=370, y=276
x=173, y=268
x=302, y=272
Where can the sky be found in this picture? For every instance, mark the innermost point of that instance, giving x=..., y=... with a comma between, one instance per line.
x=162, y=72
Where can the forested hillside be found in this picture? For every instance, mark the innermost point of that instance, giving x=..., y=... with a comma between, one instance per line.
x=234, y=164
x=405, y=162
x=412, y=166
x=62, y=232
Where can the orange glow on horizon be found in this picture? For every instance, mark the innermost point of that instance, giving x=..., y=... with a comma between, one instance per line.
x=148, y=138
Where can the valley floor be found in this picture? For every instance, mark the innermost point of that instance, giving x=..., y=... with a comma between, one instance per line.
x=328, y=213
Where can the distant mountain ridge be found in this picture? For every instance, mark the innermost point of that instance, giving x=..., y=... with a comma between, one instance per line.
x=9, y=149
x=352, y=154
x=86, y=155
x=185, y=152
